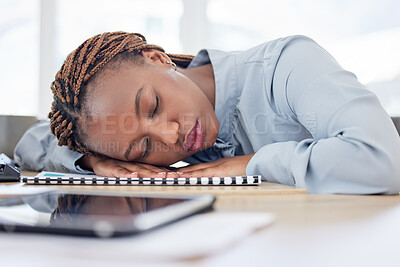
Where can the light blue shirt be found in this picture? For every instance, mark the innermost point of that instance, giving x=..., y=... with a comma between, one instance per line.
x=310, y=122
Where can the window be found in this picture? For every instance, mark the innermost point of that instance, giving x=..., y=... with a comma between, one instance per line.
x=65, y=24
x=158, y=20
x=19, y=43
x=363, y=36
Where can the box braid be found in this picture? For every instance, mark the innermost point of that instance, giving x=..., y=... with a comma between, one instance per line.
x=69, y=86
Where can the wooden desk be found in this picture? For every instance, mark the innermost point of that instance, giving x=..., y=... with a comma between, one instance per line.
x=310, y=230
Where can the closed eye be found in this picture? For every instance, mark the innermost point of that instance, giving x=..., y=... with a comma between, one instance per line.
x=155, y=109
x=147, y=148
x=147, y=140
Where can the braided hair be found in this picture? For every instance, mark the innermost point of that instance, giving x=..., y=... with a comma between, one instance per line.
x=70, y=84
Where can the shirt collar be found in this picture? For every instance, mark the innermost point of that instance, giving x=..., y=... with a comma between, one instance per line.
x=226, y=89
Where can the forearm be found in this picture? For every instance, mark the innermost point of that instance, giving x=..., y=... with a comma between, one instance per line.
x=38, y=150
x=354, y=146
x=332, y=165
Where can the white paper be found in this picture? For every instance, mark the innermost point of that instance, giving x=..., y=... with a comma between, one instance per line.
x=197, y=236
x=69, y=175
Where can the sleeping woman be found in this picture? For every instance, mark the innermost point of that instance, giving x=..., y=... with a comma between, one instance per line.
x=284, y=109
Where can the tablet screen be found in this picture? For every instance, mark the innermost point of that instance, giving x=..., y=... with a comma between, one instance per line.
x=95, y=213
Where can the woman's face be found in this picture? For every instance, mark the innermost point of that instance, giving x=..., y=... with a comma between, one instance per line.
x=148, y=113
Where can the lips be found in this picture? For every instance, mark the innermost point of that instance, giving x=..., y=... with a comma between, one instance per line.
x=194, y=139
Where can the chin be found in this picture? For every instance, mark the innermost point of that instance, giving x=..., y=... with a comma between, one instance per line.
x=213, y=139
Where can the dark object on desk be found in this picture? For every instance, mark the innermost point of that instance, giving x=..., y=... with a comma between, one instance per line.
x=98, y=214
x=5, y=159
x=8, y=172
x=11, y=130
x=396, y=122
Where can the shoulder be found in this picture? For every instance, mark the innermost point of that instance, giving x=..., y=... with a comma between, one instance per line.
x=270, y=51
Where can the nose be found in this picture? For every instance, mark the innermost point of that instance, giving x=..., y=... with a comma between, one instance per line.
x=166, y=132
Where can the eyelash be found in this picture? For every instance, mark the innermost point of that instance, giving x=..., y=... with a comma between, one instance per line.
x=156, y=108
x=147, y=148
x=147, y=140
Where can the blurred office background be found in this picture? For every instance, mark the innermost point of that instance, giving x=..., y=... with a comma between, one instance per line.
x=37, y=35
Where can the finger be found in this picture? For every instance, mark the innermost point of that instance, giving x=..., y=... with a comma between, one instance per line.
x=170, y=173
x=135, y=171
x=160, y=171
x=151, y=174
x=196, y=167
x=165, y=169
x=154, y=172
x=141, y=168
x=205, y=172
x=173, y=174
x=148, y=170
x=123, y=172
x=151, y=167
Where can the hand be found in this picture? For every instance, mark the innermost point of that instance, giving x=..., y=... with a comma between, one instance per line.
x=116, y=168
x=232, y=166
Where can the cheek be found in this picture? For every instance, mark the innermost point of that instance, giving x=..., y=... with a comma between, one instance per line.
x=178, y=86
x=108, y=145
x=111, y=138
x=110, y=149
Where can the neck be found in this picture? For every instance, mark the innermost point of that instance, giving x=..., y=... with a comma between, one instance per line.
x=203, y=77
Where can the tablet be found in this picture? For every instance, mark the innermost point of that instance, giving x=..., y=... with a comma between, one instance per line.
x=98, y=214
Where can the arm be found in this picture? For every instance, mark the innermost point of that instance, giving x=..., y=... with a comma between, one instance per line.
x=355, y=147
x=38, y=150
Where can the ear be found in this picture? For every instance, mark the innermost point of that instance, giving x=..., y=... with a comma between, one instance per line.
x=156, y=56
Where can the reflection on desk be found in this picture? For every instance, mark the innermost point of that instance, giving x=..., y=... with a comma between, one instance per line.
x=310, y=230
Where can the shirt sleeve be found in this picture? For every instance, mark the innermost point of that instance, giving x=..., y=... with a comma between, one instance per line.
x=38, y=150
x=355, y=147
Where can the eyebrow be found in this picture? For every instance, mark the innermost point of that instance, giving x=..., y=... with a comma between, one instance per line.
x=137, y=108
x=137, y=100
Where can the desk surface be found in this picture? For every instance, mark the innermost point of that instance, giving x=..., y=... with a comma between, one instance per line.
x=310, y=230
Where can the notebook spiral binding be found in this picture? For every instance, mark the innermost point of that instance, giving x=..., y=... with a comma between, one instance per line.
x=234, y=180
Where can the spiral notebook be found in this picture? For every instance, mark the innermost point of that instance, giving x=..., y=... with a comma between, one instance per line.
x=52, y=178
